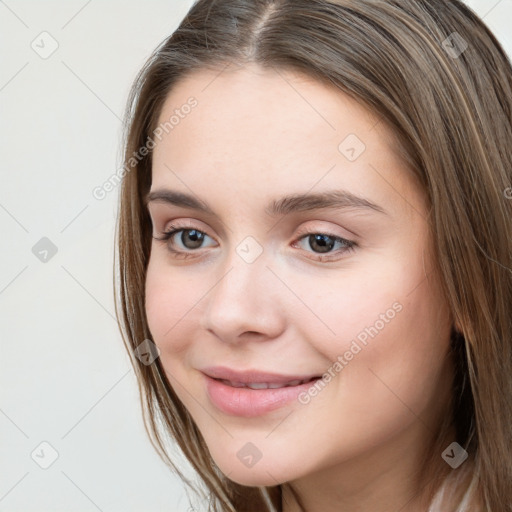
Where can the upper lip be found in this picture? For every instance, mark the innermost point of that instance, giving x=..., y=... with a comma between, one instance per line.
x=253, y=376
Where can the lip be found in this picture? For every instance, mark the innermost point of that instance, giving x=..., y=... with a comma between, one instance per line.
x=255, y=376
x=250, y=403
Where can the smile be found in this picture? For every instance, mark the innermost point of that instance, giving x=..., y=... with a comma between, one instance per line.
x=266, y=385
x=253, y=393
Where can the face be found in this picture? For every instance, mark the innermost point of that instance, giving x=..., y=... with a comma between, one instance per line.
x=300, y=251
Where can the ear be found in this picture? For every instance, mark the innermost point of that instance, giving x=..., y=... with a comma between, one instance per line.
x=457, y=327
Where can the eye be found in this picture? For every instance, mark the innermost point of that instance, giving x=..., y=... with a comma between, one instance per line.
x=183, y=241
x=325, y=244
x=190, y=239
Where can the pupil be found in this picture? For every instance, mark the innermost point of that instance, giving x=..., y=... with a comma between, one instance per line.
x=319, y=241
x=195, y=236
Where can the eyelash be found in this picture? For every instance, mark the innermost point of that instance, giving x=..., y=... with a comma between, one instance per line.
x=173, y=229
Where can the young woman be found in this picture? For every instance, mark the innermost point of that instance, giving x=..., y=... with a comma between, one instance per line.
x=314, y=254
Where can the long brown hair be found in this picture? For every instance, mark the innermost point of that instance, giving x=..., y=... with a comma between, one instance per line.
x=438, y=77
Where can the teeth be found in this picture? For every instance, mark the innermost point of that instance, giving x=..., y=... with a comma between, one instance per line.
x=258, y=385
x=265, y=385
x=234, y=384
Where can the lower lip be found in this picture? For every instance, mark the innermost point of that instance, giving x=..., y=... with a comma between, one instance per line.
x=248, y=403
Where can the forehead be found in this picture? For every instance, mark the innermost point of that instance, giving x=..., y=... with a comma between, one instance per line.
x=253, y=129
x=257, y=105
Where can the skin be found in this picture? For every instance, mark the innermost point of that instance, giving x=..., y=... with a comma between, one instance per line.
x=255, y=136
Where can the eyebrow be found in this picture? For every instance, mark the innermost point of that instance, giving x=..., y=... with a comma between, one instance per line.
x=335, y=199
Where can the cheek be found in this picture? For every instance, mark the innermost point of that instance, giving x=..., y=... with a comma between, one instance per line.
x=388, y=318
x=352, y=304
x=170, y=301
x=170, y=298
x=402, y=365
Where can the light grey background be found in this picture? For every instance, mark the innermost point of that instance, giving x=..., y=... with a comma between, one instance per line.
x=65, y=377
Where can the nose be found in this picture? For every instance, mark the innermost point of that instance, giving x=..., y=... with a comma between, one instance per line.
x=244, y=303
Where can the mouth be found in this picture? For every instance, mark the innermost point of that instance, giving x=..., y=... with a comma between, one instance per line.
x=256, y=379
x=267, y=385
x=253, y=393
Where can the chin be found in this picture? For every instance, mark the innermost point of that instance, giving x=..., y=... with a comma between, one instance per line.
x=251, y=478
x=262, y=473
